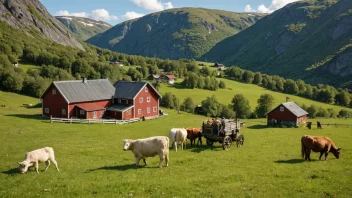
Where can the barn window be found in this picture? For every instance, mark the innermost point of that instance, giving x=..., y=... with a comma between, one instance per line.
x=154, y=109
x=129, y=112
x=46, y=110
x=94, y=114
x=148, y=99
x=148, y=110
x=146, y=89
x=139, y=111
x=282, y=108
x=63, y=111
x=81, y=112
x=54, y=91
x=141, y=100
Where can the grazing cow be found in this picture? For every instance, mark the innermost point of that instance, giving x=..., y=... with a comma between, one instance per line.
x=318, y=144
x=181, y=138
x=172, y=136
x=193, y=134
x=33, y=158
x=149, y=147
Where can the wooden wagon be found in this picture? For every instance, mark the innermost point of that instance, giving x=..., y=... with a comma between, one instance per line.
x=213, y=131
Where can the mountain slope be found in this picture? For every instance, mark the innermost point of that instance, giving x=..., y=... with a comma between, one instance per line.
x=310, y=40
x=83, y=28
x=174, y=33
x=33, y=18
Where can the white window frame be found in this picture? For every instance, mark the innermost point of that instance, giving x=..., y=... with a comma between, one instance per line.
x=54, y=92
x=141, y=100
x=155, y=109
x=63, y=112
x=282, y=108
x=81, y=112
x=148, y=99
x=146, y=89
x=128, y=112
x=148, y=110
x=94, y=114
x=46, y=110
x=139, y=111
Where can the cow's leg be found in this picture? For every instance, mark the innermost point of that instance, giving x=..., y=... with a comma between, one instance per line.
x=47, y=164
x=145, y=162
x=326, y=155
x=185, y=143
x=175, y=146
x=321, y=154
x=37, y=166
x=161, y=155
x=55, y=163
x=137, y=161
x=308, y=154
x=167, y=159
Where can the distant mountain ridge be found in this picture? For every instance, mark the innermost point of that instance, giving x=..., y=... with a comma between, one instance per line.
x=174, y=33
x=83, y=28
x=33, y=18
x=309, y=40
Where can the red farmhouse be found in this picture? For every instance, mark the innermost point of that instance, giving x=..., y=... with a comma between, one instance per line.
x=87, y=99
x=288, y=113
x=134, y=100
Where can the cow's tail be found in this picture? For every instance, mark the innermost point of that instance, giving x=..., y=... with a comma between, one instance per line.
x=303, y=148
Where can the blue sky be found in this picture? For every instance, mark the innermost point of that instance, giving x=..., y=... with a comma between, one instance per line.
x=117, y=11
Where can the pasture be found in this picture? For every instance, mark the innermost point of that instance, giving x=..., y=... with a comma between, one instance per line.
x=93, y=164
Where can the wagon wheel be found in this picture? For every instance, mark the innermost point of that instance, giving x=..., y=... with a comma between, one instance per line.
x=226, y=144
x=209, y=143
x=239, y=140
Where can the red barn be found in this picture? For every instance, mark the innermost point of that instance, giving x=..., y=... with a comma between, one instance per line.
x=87, y=99
x=289, y=114
x=134, y=100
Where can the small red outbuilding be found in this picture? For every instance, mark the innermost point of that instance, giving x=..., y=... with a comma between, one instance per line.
x=289, y=114
x=86, y=99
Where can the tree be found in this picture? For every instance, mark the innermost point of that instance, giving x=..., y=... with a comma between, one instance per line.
x=240, y=105
x=344, y=113
x=248, y=76
x=323, y=113
x=211, y=106
x=206, y=71
x=301, y=87
x=168, y=101
x=343, y=98
x=200, y=83
x=325, y=96
x=222, y=85
x=265, y=104
x=312, y=110
x=226, y=111
x=257, y=78
x=188, y=105
x=291, y=87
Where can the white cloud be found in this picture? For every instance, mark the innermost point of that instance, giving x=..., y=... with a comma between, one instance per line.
x=98, y=14
x=153, y=5
x=132, y=15
x=275, y=5
x=102, y=14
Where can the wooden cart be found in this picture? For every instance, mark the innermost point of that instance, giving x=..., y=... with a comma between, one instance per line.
x=213, y=132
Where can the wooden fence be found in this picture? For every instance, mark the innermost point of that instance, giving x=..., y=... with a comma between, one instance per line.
x=94, y=121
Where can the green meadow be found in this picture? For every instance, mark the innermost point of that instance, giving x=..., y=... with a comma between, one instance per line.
x=93, y=164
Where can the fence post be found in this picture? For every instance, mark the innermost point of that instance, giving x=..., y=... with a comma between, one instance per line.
x=71, y=120
x=51, y=118
x=88, y=121
x=115, y=121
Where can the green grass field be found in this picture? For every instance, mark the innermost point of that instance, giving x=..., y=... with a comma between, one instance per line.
x=25, y=67
x=93, y=164
x=250, y=91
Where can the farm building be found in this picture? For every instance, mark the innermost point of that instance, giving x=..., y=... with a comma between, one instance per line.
x=134, y=100
x=289, y=114
x=219, y=66
x=164, y=78
x=87, y=99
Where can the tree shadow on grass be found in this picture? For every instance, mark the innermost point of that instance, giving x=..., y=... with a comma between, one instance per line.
x=27, y=116
x=293, y=161
x=121, y=167
x=12, y=171
x=258, y=126
x=178, y=86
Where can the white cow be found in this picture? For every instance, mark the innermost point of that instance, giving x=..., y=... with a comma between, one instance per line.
x=149, y=147
x=33, y=158
x=178, y=136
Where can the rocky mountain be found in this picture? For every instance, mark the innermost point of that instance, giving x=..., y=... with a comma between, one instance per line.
x=84, y=28
x=175, y=33
x=309, y=40
x=32, y=17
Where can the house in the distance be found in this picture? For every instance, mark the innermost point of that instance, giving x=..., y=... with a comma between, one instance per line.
x=134, y=100
x=219, y=66
x=116, y=63
x=163, y=78
x=87, y=99
x=289, y=114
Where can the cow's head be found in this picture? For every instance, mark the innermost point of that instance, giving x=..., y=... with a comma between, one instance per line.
x=336, y=152
x=23, y=166
x=126, y=144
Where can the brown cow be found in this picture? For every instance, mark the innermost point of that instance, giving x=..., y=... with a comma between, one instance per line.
x=318, y=144
x=193, y=134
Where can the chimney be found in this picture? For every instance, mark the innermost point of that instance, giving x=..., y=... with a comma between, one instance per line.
x=84, y=79
x=287, y=98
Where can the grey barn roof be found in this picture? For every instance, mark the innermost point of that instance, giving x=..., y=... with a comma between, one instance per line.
x=120, y=107
x=92, y=90
x=294, y=108
x=128, y=90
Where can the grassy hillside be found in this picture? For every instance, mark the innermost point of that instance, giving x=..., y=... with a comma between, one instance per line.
x=250, y=91
x=83, y=28
x=309, y=40
x=92, y=162
x=175, y=33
